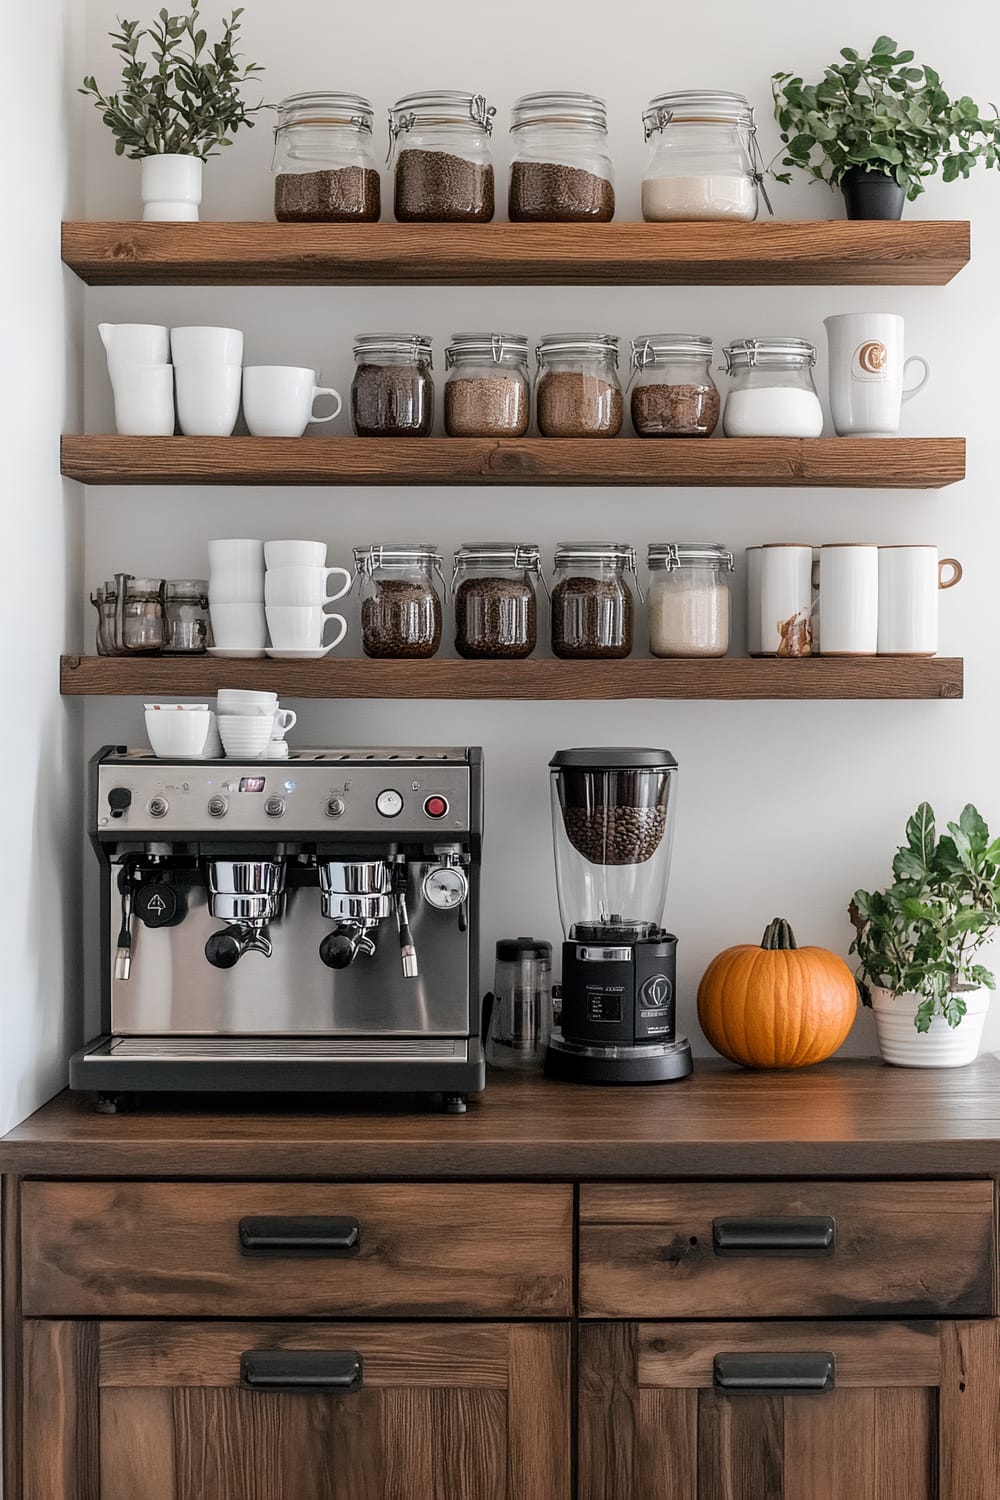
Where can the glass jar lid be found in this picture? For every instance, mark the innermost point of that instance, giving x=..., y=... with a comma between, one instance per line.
x=647, y=348
x=498, y=555
x=416, y=345
x=697, y=107
x=321, y=108
x=619, y=553
x=557, y=109
x=187, y=588
x=440, y=107
x=136, y=586
x=672, y=555
x=768, y=353
x=396, y=554
x=554, y=345
x=494, y=346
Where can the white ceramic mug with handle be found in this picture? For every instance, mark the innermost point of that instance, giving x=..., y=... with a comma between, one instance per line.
x=278, y=400
x=305, y=586
x=909, y=578
x=294, y=628
x=786, y=571
x=848, y=599
x=867, y=370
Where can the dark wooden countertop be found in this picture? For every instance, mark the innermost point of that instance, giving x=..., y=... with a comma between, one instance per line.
x=852, y=1118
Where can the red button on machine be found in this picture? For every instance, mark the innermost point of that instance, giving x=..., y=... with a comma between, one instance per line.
x=435, y=807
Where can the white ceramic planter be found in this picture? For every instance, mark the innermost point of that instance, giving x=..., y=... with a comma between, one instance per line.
x=943, y=1046
x=171, y=187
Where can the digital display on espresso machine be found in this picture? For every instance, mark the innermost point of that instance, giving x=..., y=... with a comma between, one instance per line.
x=252, y=783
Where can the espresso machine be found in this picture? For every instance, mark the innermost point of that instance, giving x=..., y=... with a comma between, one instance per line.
x=302, y=925
x=612, y=816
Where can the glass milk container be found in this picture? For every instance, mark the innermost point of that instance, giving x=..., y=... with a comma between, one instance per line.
x=772, y=393
x=444, y=166
x=703, y=157
x=688, y=598
x=560, y=171
x=324, y=164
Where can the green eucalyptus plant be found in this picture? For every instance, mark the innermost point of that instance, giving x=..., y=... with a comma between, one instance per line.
x=922, y=934
x=184, y=97
x=881, y=114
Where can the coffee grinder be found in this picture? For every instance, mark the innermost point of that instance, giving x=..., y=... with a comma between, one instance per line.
x=612, y=816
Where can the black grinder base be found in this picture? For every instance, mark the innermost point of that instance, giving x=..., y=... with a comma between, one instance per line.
x=573, y=1063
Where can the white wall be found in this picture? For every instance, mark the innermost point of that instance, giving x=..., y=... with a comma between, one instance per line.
x=784, y=807
x=39, y=600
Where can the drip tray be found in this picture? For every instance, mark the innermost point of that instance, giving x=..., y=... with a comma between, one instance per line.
x=287, y=1049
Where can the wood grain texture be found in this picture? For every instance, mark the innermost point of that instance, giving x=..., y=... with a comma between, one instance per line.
x=868, y=1354
x=841, y=463
x=539, y=679
x=11, y=1352
x=608, y=1414
x=164, y=1249
x=827, y=252
x=538, y=1411
x=828, y=1446
x=902, y=1250
x=137, y=1445
x=904, y=1453
x=969, y=1408
x=854, y=1118
x=60, y=1413
x=740, y=1446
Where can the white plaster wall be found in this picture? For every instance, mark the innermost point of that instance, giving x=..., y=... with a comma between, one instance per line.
x=784, y=807
x=42, y=529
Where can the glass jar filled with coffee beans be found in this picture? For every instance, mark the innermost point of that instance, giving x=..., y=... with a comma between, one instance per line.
x=392, y=393
x=578, y=393
x=561, y=172
x=401, y=587
x=324, y=161
x=488, y=389
x=592, y=604
x=444, y=166
x=496, y=599
x=673, y=393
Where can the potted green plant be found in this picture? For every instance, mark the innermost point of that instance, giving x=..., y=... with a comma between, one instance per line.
x=877, y=126
x=917, y=941
x=177, y=106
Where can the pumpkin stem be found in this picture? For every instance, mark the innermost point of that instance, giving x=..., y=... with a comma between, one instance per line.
x=778, y=934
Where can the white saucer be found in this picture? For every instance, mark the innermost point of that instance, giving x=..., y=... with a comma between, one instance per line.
x=277, y=655
x=234, y=654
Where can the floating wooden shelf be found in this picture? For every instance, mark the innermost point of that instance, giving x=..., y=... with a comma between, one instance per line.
x=639, y=677
x=848, y=463
x=773, y=252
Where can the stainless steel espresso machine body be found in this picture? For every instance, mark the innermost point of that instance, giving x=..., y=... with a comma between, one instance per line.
x=303, y=924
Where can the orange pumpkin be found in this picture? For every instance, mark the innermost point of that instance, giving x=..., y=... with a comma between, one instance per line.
x=777, y=1006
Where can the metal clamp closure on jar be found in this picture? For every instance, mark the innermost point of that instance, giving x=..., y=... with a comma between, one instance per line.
x=589, y=554
x=438, y=107
x=585, y=345
x=521, y=556
x=414, y=346
x=749, y=354
x=649, y=348
x=367, y=560
x=493, y=346
x=319, y=109
x=709, y=107
x=673, y=555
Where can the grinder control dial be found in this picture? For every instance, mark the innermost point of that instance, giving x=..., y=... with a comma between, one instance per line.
x=445, y=887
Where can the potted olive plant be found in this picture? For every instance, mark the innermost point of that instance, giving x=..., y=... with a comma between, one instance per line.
x=877, y=126
x=918, y=939
x=177, y=106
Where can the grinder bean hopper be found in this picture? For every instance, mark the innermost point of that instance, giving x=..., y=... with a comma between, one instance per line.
x=612, y=814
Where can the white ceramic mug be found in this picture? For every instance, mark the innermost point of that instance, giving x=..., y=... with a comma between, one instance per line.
x=848, y=599
x=135, y=343
x=293, y=628
x=304, y=586
x=278, y=400
x=239, y=627
x=184, y=734
x=295, y=554
x=206, y=346
x=786, y=574
x=208, y=399
x=909, y=578
x=244, y=736
x=144, y=399
x=236, y=571
x=867, y=370
x=753, y=570
x=232, y=701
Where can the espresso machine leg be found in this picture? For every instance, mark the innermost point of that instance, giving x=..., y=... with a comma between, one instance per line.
x=454, y=1104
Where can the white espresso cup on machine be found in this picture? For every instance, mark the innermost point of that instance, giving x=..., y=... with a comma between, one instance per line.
x=848, y=599
x=304, y=586
x=909, y=578
x=867, y=370
x=278, y=400
x=786, y=599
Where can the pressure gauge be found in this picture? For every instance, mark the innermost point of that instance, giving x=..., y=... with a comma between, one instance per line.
x=445, y=887
x=389, y=803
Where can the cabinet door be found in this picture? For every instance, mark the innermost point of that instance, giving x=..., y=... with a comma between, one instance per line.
x=741, y=1411
x=231, y=1411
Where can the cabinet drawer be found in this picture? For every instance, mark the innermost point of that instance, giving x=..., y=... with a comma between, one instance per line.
x=134, y=1249
x=800, y=1249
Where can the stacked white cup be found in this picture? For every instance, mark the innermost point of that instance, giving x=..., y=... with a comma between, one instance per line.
x=297, y=590
x=252, y=724
x=236, y=596
x=142, y=378
x=208, y=364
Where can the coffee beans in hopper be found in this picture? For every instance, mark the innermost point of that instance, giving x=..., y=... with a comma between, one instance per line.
x=615, y=835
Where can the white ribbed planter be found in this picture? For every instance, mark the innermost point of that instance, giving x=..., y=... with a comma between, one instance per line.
x=171, y=187
x=943, y=1046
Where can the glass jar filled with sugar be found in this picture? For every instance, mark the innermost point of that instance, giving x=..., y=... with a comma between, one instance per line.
x=689, y=598
x=773, y=393
x=703, y=157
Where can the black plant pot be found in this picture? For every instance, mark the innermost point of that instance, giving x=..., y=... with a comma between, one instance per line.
x=872, y=195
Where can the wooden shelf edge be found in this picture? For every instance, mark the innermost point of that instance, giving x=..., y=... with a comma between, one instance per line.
x=839, y=463
x=537, y=680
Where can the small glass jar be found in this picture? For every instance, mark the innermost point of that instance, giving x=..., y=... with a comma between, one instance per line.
x=188, y=623
x=496, y=600
x=400, y=603
x=560, y=172
x=444, y=169
x=773, y=393
x=688, y=598
x=578, y=393
x=392, y=393
x=704, y=161
x=488, y=389
x=324, y=164
x=130, y=616
x=520, y=1022
x=673, y=393
x=592, y=605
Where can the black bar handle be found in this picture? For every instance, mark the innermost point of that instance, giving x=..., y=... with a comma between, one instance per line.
x=774, y=1374
x=337, y=1370
x=783, y=1234
x=334, y=1238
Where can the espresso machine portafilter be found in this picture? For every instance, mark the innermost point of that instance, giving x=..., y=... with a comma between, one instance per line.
x=246, y=894
x=359, y=895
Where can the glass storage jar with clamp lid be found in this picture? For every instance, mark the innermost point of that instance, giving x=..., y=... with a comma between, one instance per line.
x=561, y=172
x=592, y=604
x=773, y=393
x=487, y=391
x=324, y=164
x=496, y=599
x=704, y=161
x=578, y=393
x=444, y=169
x=688, y=598
x=401, y=613
x=673, y=393
x=392, y=393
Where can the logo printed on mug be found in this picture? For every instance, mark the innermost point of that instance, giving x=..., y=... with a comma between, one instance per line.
x=871, y=360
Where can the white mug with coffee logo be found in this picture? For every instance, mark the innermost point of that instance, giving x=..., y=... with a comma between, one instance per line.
x=909, y=578
x=848, y=598
x=867, y=369
x=786, y=590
